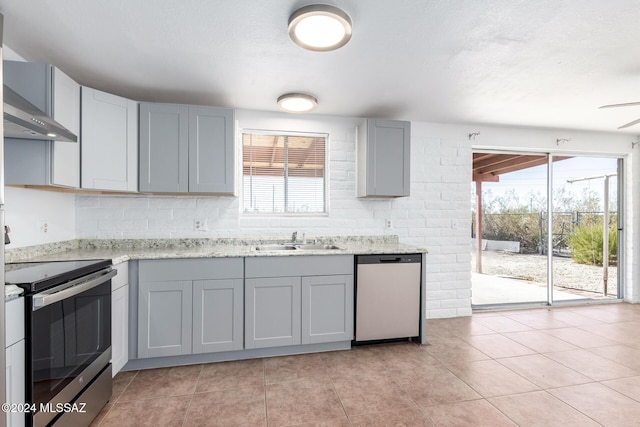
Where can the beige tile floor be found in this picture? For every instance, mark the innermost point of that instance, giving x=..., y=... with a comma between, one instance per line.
x=577, y=366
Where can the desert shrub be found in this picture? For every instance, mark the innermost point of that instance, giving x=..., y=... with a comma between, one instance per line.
x=515, y=227
x=586, y=244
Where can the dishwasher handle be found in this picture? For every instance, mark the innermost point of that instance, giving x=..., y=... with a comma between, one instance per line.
x=390, y=260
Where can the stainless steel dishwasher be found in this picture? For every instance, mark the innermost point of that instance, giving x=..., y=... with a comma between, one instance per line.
x=387, y=297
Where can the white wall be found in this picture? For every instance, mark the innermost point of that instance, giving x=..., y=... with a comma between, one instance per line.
x=27, y=210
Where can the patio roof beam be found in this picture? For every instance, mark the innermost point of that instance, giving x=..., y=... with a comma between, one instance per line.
x=512, y=164
x=485, y=177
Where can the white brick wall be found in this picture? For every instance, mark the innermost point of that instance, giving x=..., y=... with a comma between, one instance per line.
x=440, y=176
x=436, y=215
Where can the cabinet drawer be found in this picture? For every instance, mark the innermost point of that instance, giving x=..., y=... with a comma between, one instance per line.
x=298, y=266
x=190, y=269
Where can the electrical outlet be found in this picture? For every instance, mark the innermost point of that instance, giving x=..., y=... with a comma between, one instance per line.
x=454, y=223
x=43, y=226
x=200, y=224
x=387, y=223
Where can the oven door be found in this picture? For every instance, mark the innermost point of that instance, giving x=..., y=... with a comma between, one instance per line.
x=70, y=329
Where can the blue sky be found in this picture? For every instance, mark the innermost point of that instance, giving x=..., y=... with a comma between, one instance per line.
x=534, y=179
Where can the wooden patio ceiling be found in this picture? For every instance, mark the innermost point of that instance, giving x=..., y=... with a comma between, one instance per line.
x=489, y=166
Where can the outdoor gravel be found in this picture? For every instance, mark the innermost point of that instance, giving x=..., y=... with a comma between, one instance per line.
x=567, y=273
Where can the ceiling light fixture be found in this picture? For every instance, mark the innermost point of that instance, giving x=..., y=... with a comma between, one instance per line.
x=297, y=102
x=320, y=27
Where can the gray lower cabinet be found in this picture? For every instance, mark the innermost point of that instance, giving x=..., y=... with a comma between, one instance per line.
x=15, y=355
x=327, y=307
x=120, y=318
x=298, y=300
x=217, y=315
x=164, y=318
x=15, y=360
x=273, y=314
x=186, y=149
x=188, y=306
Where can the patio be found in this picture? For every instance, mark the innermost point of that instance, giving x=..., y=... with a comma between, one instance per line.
x=513, y=278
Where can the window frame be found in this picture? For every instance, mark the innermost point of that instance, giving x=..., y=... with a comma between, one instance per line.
x=255, y=131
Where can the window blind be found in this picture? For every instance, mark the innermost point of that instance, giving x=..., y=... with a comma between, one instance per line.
x=283, y=173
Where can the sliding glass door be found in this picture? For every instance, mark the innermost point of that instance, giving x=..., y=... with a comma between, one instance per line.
x=585, y=228
x=509, y=262
x=540, y=220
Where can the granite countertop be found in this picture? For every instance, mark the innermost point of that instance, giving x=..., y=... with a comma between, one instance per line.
x=121, y=250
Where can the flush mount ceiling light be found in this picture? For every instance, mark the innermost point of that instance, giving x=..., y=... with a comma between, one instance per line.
x=320, y=27
x=297, y=103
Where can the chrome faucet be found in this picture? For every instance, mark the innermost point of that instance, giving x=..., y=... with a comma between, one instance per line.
x=294, y=238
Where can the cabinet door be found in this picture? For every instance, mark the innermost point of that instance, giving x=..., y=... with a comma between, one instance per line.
x=44, y=162
x=164, y=318
x=109, y=141
x=15, y=387
x=211, y=150
x=164, y=148
x=272, y=312
x=327, y=309
x=383, y=158
x=65, y=168
x=217, y=315
x=390, y=142
x=119, y=328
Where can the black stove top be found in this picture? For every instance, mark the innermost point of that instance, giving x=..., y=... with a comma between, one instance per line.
x=38, y=276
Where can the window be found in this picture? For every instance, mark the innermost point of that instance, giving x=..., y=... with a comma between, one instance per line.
x=283, y=172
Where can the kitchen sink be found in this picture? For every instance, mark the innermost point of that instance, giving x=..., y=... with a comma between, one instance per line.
x=292, y=247
x=275, y=248
x=314, y=246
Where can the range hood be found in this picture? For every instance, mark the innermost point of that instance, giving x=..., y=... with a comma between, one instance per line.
x=24, y=120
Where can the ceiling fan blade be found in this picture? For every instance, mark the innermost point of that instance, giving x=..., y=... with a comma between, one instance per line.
x=635, y=122
x=628, y=104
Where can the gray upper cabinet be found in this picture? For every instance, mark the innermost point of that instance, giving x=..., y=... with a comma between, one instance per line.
x=109, y=141
x=164, y=148
x=186, y=149
x=66, y=111
x=43, y=162
x=211, y=150
x=383, y=158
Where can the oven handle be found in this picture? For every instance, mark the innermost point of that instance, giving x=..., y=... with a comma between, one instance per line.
x=70, y=289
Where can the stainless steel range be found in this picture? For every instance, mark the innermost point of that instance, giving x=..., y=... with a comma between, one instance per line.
x=68, y=339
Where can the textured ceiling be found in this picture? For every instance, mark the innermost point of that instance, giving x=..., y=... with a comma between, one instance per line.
x=547, y=63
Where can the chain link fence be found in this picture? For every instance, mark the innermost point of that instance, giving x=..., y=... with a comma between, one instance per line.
x=530, y=229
